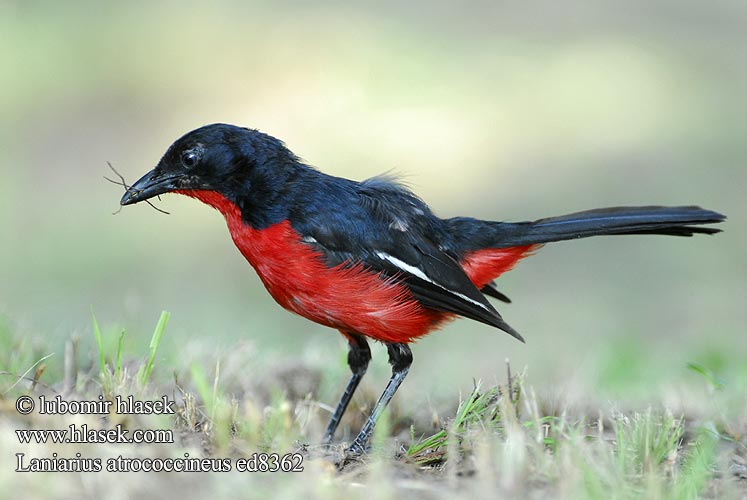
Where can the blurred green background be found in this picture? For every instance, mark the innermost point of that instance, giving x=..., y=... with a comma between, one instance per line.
x=497, y=110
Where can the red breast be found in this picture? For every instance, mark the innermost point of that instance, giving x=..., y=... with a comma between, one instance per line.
x=348, y=298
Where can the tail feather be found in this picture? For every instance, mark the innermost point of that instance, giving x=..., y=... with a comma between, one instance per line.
x=488, y=249
x=671, y=221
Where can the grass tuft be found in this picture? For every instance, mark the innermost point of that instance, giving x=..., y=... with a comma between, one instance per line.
x=479, y=409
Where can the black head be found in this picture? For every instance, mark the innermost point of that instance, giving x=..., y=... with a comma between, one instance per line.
x=218, y=157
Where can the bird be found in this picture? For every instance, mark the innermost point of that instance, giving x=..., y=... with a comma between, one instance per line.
x=370, y=258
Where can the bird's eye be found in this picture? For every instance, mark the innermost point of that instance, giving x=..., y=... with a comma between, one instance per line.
x=190, y=158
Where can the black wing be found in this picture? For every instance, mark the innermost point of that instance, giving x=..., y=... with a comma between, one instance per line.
x=490, y=289
x=439, y=282
x=390, y=231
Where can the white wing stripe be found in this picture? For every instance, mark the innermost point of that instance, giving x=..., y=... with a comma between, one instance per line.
x=405, y=266
x=415, y=271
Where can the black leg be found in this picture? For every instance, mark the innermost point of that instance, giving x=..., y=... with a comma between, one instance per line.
x=358, y=357
x=400, y=357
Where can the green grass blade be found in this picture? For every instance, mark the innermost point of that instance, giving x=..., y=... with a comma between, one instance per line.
x=99, y=342
x=120, y=349
x=199, y=379
x=155, y=341
x=715, y=382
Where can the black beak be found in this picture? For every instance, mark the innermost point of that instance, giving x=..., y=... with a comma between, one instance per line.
x=148, y=186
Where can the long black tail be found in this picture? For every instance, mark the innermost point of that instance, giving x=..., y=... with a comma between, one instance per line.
x=472, y=234
x=672, y=221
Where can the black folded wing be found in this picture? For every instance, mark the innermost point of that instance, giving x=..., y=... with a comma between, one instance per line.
x=431, y=275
